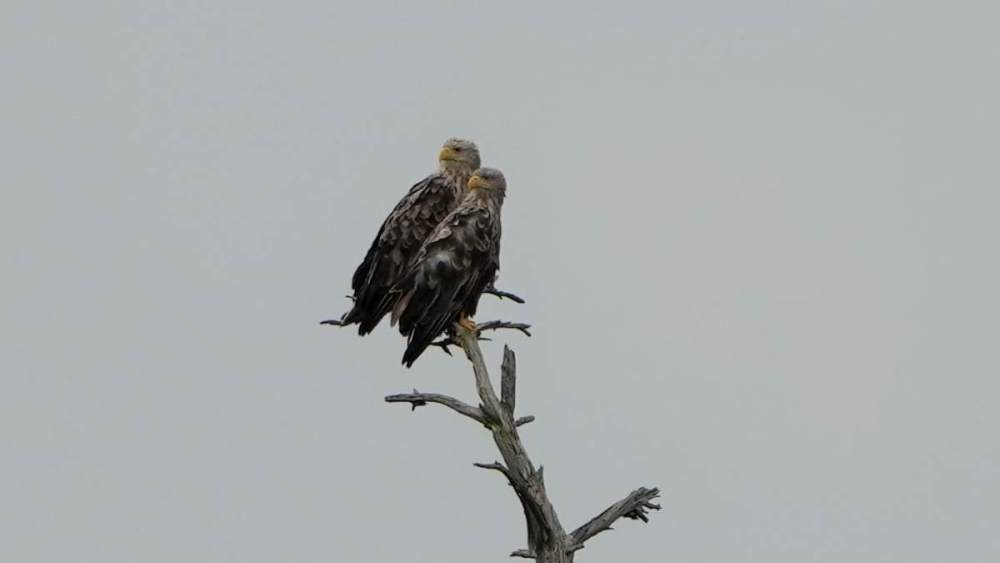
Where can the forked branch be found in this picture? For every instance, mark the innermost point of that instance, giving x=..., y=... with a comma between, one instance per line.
x=547, y=541
x=635, y=506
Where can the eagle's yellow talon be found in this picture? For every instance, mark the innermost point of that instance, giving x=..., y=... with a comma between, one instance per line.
x=467, y=323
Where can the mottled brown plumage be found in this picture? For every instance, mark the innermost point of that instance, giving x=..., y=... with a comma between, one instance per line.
x=455, y=264
x=405, y=230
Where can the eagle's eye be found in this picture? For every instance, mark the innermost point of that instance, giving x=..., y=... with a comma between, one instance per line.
x=458, y=149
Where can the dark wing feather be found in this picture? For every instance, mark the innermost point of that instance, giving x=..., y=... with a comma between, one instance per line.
x=447, y=277
x=397, y=242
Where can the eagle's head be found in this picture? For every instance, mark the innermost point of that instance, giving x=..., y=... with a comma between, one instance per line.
x=459, y=155
x=488, y=181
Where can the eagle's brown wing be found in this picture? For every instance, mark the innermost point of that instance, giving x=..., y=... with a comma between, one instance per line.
x=454, y=266
x=397, y=242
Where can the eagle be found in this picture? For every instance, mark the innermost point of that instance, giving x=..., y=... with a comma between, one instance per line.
x=457, y=262
x=406, y=228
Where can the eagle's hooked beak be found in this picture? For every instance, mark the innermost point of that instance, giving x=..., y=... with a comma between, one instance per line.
x=476, y=182
x=447, y=153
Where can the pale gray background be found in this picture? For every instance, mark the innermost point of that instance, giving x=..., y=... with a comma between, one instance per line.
x=758, y=242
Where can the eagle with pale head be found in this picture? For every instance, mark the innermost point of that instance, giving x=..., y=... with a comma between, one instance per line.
x=405, y=230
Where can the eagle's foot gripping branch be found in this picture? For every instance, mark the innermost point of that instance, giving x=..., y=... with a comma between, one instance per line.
x=452, y=340
x=467, y=323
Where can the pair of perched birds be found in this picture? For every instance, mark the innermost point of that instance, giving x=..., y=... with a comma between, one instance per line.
x=435, y=254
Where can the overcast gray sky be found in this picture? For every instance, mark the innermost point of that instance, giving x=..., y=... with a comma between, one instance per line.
x=758, y=242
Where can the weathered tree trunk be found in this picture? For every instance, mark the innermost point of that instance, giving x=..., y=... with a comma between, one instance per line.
x=547, y=541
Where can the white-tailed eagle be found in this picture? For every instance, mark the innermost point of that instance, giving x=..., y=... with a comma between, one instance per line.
x=454, y=265
x=405, y=230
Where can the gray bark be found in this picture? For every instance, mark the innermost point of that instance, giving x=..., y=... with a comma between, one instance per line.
x=547, y=542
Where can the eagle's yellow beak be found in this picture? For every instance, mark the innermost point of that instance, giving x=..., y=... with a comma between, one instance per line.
x=447, y=153
x=476, y=182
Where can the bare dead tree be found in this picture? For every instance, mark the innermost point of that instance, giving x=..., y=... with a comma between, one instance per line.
x=548, y=542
